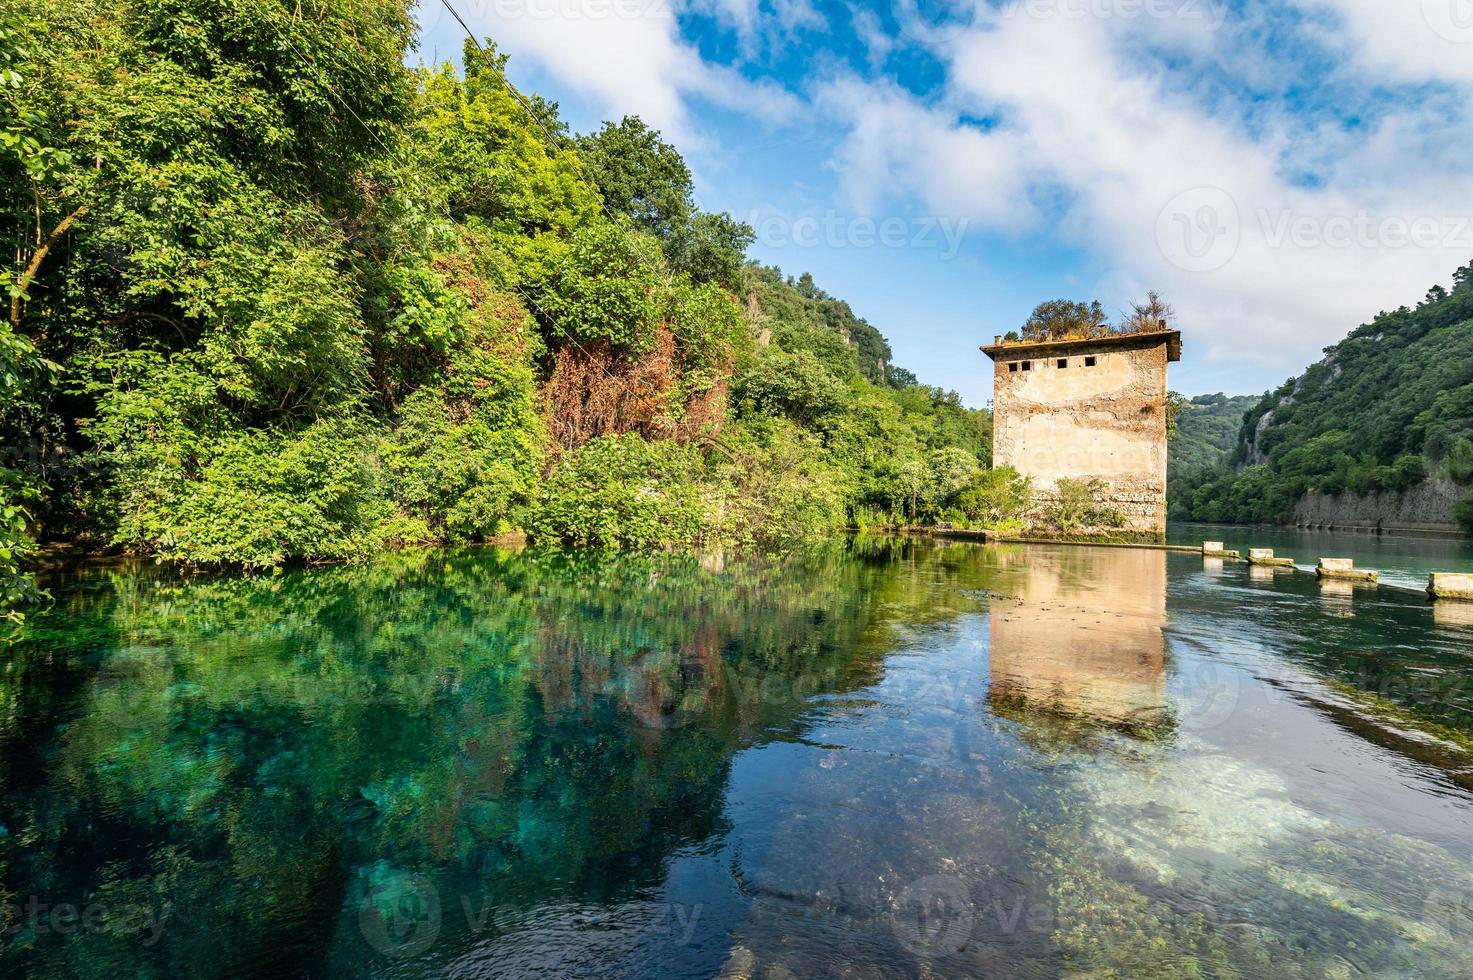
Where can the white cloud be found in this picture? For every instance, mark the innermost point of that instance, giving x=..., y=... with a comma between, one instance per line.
x=877, y=43
x=627, y=56
x=1412, y=40
x=1201, y=198
x=896, y=144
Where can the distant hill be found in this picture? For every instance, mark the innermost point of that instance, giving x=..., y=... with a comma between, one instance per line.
x=1385, y=422
x=1207, y=432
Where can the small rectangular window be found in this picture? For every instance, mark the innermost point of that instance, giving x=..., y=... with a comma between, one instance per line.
x=1089, y=362
x=1027, y=365
x=1013, y=367
x=1063, y=362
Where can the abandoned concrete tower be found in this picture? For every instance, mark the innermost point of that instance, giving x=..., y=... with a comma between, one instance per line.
x=1092, y=408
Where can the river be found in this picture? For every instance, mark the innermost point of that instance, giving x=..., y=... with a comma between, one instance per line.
x=879, y=757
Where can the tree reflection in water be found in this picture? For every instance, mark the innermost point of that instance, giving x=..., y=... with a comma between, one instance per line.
x=870, y=758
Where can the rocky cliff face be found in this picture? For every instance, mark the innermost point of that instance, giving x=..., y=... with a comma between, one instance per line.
x=1426, y=507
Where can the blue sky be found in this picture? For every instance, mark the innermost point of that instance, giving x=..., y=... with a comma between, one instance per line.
x=1279, y=171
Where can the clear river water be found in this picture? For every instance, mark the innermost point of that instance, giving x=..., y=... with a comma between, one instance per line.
x=879, y=757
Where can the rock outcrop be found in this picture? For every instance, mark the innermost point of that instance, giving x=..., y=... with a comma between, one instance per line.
x=1425, y=507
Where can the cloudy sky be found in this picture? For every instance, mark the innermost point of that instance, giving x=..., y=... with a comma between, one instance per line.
x=1281, y=171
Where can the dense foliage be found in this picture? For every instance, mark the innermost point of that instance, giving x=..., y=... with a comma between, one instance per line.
x=1388, y=406
x=1205, y=435
x=278, y=297
x=1207, y=431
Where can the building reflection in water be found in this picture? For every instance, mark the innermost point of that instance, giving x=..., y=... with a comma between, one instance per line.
x=1338, y=597
x=1453, y=614
x=1081, y=642
x=1261, y=574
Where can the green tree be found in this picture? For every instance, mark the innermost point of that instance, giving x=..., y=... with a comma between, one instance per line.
x=640, y=175
x=997, y=496
x=1062, y=319
x=646, y=179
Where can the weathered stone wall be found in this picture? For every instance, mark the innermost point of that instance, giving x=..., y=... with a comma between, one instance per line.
x=1106, y=421
x=1425, y=507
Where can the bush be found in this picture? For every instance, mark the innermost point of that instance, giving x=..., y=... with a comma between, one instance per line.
x=1076, y=506
x=621, y=491
x=605, y=286
x=17, y=587
x=1460, y=460
x=996, y=496
x=794, y=385
x=949, y=472
x=1463, y=513
x=264, y=497
x=775, y=486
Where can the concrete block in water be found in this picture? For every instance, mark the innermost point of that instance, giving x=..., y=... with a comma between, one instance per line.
x=1265, y=556
x=1451, y=585
x=1214, y=549
x=1344, y=569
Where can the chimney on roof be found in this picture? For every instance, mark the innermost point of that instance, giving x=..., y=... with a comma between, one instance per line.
x=996, y=339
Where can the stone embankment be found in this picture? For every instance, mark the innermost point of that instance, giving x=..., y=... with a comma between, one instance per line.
x=1427, y=507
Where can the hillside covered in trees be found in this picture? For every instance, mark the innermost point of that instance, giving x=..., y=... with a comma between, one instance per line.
x=1388, y=407
x=1207, y=429
x=277, y=296
x=1206, y=433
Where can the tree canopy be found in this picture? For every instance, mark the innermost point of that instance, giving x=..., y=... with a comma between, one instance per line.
x=279, y=297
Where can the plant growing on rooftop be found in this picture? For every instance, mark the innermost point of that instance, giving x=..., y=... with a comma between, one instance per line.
x=1062, y=319
x=1154, y=314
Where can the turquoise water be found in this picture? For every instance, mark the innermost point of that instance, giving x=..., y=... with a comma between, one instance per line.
x=876, y=758
x=1402, y=559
